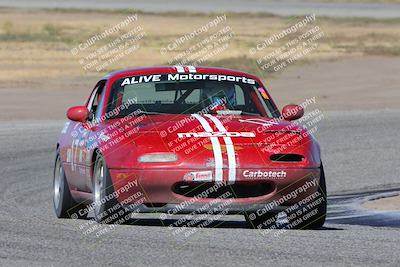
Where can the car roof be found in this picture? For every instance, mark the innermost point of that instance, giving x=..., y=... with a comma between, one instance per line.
x=176, y=69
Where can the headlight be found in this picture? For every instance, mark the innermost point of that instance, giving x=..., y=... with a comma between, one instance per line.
x=158, y=157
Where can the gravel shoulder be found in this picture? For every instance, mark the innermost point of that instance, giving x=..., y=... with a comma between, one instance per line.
x=384, y=204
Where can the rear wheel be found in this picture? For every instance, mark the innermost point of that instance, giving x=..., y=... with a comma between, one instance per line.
x=64, y=205
x=107, y=209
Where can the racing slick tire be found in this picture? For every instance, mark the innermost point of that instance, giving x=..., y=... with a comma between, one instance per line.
x=269, y=220
x=64, y=205
x=107, y=209
x=318, y=220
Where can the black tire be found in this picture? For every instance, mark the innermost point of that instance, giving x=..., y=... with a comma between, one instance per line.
x=318, y=220
x=64, y=205
x=107, y=209
x=268, y=221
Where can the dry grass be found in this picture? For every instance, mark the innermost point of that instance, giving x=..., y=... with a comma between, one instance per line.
x=36, y=44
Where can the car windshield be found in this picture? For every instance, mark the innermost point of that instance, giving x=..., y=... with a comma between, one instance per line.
x=188, y=94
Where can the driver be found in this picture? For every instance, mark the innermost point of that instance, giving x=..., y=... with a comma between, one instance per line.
x=219, y=95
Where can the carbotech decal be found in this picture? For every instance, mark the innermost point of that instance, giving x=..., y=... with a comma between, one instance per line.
x=264, y=174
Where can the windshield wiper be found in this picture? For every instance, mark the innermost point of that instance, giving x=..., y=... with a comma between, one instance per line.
x=138, y=114
x=249, y=113
x=153, y=112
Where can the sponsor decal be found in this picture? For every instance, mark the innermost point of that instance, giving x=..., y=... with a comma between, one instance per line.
x=122, y=175
x=203, y=176
x=217, y=134
x=264, y=174
x=191, y=75
x=80, y=155
x=74, y=144
x=263, y=93
x=66, y=125
x=69, y=155
x=141, y=79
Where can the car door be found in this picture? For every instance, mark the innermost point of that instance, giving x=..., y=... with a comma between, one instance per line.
x=91, y=134
x=77, y=145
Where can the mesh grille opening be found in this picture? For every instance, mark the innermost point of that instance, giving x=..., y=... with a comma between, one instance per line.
x=236, y=190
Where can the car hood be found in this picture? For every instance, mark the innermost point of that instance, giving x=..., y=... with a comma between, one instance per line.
x=197, y=140
x=178, y=128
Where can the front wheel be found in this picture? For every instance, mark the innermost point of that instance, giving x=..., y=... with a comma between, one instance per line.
x=107, y=209
x=315, y=218
x=318, y=220
x=64, y=205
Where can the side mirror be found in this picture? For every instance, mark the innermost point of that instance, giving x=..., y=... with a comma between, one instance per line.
x=292, y=112
x=78, y=113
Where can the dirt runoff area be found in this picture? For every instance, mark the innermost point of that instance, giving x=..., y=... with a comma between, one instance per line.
x=355, y=83
x=384, y=204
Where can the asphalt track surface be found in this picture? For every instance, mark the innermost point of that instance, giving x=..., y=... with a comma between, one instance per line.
x=360, y=151
x=370, y=10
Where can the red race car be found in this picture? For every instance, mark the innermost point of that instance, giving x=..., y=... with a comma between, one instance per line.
x=185, y=139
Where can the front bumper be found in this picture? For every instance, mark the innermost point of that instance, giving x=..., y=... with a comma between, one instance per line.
x=152, y=190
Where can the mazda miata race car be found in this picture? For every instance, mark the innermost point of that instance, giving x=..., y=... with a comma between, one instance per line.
x=188, y=140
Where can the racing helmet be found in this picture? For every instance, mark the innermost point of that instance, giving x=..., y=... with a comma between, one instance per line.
x=219, y=95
